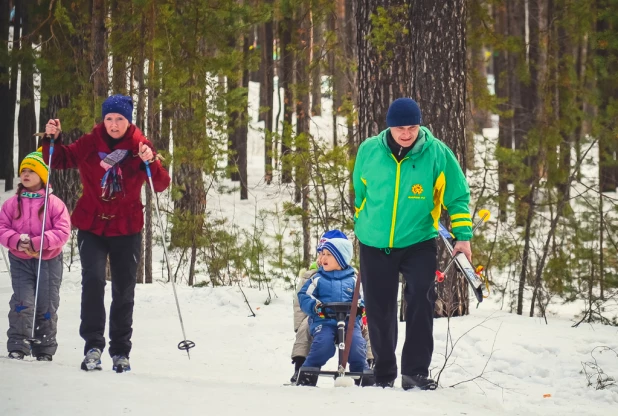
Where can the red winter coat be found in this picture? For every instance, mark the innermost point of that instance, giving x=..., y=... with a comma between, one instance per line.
x=123, y=213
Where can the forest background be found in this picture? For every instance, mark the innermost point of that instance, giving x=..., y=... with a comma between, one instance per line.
x=523, y=91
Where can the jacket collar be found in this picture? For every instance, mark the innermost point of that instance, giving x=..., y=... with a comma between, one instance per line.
x=423, y=141
x=337, y=274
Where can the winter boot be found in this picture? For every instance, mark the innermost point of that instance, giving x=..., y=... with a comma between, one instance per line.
x=92, y=360
x=418, y=381
x=306, y=379
x=43, y=357
x=384, y=384
x=16, y=355
x=121, y=363
x=298, y=363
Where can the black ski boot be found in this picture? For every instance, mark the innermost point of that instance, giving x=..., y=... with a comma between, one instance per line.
x=418, y=381
x=305, y=379
x=43, y=357
x=298, y=363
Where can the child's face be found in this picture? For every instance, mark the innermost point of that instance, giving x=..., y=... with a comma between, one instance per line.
x=329, y=263
x=31, y=181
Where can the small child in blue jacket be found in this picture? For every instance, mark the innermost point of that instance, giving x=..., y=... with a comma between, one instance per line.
x=334, y=282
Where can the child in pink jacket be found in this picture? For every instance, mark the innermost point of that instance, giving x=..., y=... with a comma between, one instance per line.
x=20, y=231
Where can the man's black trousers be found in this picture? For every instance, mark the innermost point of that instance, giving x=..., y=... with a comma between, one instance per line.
x=380, y=270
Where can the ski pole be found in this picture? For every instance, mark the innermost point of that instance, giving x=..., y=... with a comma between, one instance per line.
x=185, y=344
x=484, y=214
x=6, y=262
x=351, y=325
x=32, y=339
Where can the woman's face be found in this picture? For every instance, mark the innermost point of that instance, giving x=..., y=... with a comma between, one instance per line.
x=116, y=125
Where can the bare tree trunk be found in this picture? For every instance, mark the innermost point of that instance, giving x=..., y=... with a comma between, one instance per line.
x=286, y=27
x=502, y=87
x=351, y=76
x=9, y=123
x=331, y=23
x=98, y=58
x=479, y=117
x=118, y=30
x=267, y=88
x=141, y=88
x=26, y=122
x=243, y=128
x=608, y=90
x=6, y=129
x=302, y=124
x=316, y=62
x=140, y=123
x=439, y=35
x=154, y=133
x=384, y=69
x=538, y=24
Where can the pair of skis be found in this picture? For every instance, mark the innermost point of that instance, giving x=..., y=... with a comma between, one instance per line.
x=473, y=276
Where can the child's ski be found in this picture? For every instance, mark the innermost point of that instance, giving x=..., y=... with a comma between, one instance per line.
x=471, y=274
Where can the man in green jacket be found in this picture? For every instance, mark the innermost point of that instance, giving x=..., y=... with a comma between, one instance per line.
x=402, y=179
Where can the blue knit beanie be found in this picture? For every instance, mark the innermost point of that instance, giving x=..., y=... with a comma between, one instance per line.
x=403, y=112
x=120, y=104
x=327, y=236
x=340, y=247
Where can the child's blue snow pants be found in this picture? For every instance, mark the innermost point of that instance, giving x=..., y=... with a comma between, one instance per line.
x=323, y=347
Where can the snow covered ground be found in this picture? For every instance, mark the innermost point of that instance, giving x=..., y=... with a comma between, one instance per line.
x=502, y=364
x=240, y=364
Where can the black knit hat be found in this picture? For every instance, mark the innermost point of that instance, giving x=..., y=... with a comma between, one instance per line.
x=403, y=112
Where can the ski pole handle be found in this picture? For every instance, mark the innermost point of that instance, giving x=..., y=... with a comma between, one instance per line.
x=441, y=275
x=147, y=164
x=484, y=214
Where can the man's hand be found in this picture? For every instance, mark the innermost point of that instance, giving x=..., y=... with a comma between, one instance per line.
x=463, y=247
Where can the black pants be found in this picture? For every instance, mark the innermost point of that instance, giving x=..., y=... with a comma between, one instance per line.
x=124, y=256
x=380, y=270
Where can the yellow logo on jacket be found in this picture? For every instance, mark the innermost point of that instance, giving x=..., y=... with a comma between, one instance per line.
x=417, y=190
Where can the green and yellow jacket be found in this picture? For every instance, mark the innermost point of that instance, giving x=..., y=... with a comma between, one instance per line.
x=399, y=203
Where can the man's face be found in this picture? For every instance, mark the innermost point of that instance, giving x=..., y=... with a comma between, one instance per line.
x=405, y=135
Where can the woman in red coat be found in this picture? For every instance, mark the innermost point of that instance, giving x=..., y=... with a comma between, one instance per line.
x=109, y=218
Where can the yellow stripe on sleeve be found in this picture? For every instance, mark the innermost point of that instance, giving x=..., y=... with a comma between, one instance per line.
x=461, y=224
x=458, y=216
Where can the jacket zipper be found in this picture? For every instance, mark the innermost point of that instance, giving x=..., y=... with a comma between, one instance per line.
x=394, y=219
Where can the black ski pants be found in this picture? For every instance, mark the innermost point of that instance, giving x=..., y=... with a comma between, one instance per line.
x=124, y=256
x=380, y=270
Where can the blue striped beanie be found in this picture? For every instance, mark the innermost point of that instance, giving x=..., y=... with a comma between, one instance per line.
x=340, y=248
